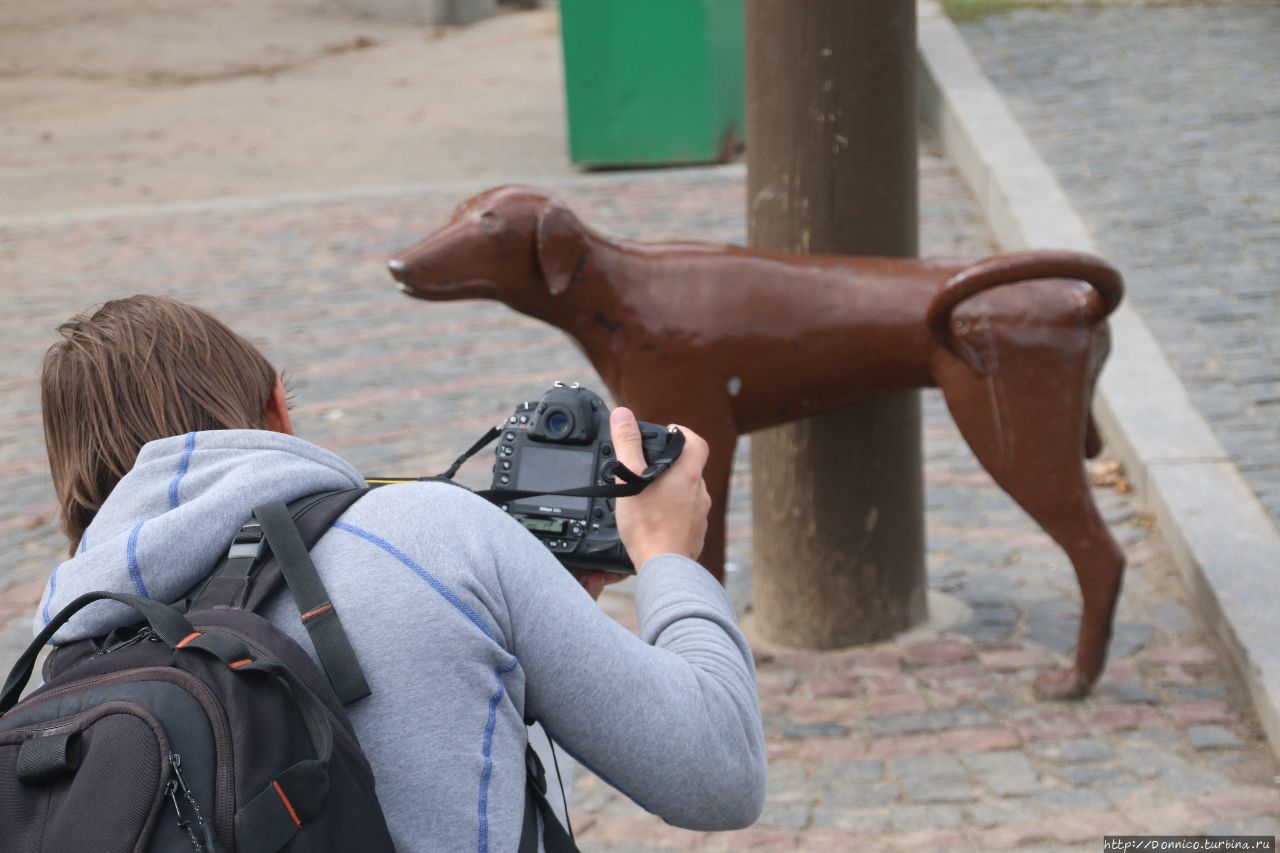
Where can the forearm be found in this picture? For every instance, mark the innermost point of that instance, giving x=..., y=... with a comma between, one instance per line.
x=720, y=745
x=673, y=722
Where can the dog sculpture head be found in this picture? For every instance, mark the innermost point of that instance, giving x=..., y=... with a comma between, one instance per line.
x=518, y=245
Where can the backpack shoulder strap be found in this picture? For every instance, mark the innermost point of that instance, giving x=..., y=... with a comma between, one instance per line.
x=247, y=576
x=312, y=516
x=319, y=616
x=285, y=534
x=554, y=837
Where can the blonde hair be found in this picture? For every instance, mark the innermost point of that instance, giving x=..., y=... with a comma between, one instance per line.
x=133, y=371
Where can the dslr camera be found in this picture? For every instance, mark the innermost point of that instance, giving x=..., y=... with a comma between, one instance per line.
x=562, y=442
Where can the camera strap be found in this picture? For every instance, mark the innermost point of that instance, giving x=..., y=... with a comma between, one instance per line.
x=632, y=483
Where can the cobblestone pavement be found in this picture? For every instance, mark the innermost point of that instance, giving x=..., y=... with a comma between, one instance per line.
x=930, y=742
x=1163, y=126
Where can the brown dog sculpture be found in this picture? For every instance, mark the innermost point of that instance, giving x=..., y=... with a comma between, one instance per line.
x=729, y=340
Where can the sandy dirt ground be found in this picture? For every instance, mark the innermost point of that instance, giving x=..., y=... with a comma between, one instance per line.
x=116, y=103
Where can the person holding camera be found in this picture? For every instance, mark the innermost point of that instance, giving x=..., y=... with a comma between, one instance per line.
x=165, y=428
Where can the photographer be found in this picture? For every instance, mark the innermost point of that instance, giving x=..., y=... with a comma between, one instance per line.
x=164, y=429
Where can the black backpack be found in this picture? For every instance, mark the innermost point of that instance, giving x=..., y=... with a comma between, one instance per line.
x=210, y=730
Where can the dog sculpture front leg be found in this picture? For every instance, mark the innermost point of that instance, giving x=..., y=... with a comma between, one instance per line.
x=698, y=400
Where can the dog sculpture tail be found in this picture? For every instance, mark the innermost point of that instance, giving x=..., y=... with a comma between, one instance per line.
x=1011, y=268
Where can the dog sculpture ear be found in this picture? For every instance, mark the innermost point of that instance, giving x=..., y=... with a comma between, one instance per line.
x=562, y=249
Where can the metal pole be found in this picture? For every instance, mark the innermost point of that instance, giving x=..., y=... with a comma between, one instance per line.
x=832, y=165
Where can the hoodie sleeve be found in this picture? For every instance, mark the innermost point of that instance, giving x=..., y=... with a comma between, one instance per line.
x=672, y=718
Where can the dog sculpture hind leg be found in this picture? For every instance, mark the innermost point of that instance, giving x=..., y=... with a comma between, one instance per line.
x=1019, y=392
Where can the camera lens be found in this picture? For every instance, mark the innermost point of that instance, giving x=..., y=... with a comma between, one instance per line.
x=558, y=423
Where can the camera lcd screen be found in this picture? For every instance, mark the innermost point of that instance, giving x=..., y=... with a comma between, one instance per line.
x=553, y=470
x=544, y=525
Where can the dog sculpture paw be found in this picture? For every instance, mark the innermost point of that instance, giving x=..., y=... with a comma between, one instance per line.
x=1062, y=685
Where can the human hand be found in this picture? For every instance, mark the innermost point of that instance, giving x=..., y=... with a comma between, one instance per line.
x=670, y=515
x=594, y=581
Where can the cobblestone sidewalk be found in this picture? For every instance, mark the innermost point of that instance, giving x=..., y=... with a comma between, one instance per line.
x=935, y=742
x=1162, y=123
x=927, y=743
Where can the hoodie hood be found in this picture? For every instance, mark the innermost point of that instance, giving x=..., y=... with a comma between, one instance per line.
x=171, y=519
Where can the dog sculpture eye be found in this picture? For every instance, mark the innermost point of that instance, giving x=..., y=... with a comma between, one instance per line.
x=489, y=220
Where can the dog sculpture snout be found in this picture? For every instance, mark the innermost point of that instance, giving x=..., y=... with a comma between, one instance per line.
x=400, y=272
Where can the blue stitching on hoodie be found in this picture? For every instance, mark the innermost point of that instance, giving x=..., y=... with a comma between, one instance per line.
x=482, y=808
x=132, y=553
x=487, y=751
x=53, y=586
x=183, y=464
x=460, y=605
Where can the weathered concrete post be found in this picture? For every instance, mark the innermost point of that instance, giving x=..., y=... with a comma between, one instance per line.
x=832, y=168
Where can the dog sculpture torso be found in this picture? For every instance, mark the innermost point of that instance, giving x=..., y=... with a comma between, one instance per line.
x=765, y=375
x=727, y=341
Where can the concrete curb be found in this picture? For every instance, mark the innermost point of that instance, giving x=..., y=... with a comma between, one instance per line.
x=1221, y=537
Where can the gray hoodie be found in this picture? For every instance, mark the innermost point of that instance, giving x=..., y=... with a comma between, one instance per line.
x=465, y=626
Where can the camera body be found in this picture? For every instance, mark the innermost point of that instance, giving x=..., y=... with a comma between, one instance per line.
x=562, y=441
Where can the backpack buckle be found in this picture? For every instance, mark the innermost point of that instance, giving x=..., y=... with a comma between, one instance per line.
x=249, y=543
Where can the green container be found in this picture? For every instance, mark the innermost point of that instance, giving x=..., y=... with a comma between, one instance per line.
x=653, y=82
